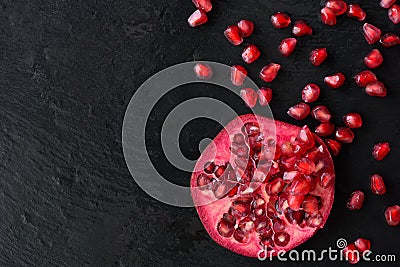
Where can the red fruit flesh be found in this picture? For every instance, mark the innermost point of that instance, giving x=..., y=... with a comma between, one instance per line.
x=310, y=93
x=203, y=71
x=351, y=254
x=232, y=33
x=356, y=12
x=198, y=18
x=325, y=129
x=204, y=5
x=392, y=215
x=318, y=56
x=250, y=54
x=280, y=20
x=387, y=3
x=389, y=40
x=352, y=120
x=394, y=14
x=376, y=89
x=299, y=111
x=321, y=113
x=335, y=81
x=258, y=214
x=381, y=150
x=364, y=78
x=362, y=245
x=377, y=185
x=333, y=146
x=356, y=200
x=269, y=72
x=328, y=16
x=344, y=135
x=374, y=59
x=264, y=96
x=287, y=46
x=301, y=28
x=249, y=96
x=238, y=75
x=246, y=27
x=371, y=33
x=338, y=7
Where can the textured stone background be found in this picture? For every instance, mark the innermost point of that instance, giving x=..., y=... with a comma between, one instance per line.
x=68, y=69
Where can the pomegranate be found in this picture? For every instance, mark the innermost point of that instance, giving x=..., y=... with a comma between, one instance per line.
x=287, y=46
x=299, y=111
x=328, y=16
x=381, y=150
x=280, y=20
x=238, y=75
x=232, y=33
x=203, y=71
x=364, y=78
x=344, y=135
x=377, y=185
x=356, y=200
x=337, y=7
x=301, y=28
x=250, y=54
x=318, y=56
x=394, y=14
x=199, y=17
x=310, y=93
x=362, y=244
x=264, y=96
x=204, y=5
x=352, y=120
x=387, y=3
x=374, y=59
x=389, y=40
x=249, y=96
x=321, y=113
x=246, y=208
x=355, y=11
x=335, y=80
x=351, y=254
x=392, y=215
x=371, y=33
x=269, y=72
x=376, y=89
x=246, y=27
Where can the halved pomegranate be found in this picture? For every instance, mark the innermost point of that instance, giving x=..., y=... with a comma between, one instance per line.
x=255, y=190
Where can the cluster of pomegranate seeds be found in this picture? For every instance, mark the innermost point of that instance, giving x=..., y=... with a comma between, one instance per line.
x=232, y=33
x=310, y=93
x=392, y=215
x=301, y=28
x=203, y=71
x=374, y=59
x=394, y=14
x=238, y=75
x=299, y=111
x=381, y=150
x=364, y=78
x=344, y=135
x=376, y=89
x=287, y=46
x=377, y=185
x=251, y=53
x=335, y=81
x=371, y=33
x=280, y=20
x=264, y=96
x=356, y=12
x=353, y=251
x=389, y=40
x=356, y=200
x=268, y=73
x=318, y=56
x=249, y=96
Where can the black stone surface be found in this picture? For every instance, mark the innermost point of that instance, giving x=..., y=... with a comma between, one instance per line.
x=68, y=69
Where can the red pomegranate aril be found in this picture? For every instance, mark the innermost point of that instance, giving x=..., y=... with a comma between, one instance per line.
x=301, y=28
x=362, y=244
x=371, y=33
x=389, y=40
x=249, y=96
x=294, y=202
x=338, y=7
x=310, y=93
x=203, y=71
x=241, y=236
x=344, y=135
x=280, y=20
x=377, y=185
x=209, y=167
x=325, y=129
x=310, y=205
x=287, y=46
x=374, y=59
x=350, y=253
x=392, y=215
x=247, y=225
x=352, y=120
x=364, y=78
x=394, y=14
x=321, y=113
x=238, y=75
x=355, y=11
x=269, y=72
x=304, y=166
x=281, y=239
x=264, y=96
x=199, y=17
x=356, y=200
x=327, y=179
x=318, y=56
x=294, y=216
x=275, y=186
x=205, y=5
x=328, y=17
x=306, y=137
x=333, y=146
x=203, y=180
x=251, y=53
x=377, y=89
x=315, y=221
x=299, y=111
x=299, y=187
x=387, y=3
x=246, y=27
x=232, y=33
x=381, y=150
x=224, y=229
x=335, y=81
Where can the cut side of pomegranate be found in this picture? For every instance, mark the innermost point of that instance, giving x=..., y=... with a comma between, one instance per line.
x=280, y=20
x=392, y=215
x=318, y=56
x=246, y=27
x=389, y=40
x=371, y=33
x=337, y=7
x=204, y=5
x=238, y=75
x=328, y=16
x=374, y=59
x=381, y=150
x=199, y=17
x=335, y=80
x=377, y=89
x=364, y=78
x=264, y=96
x=269, y=72
x=287, y=46
x=394, y=14
x=269, y=194
x=299, y=111
x=232, y=33
x=356, y=12
x=377, y=185
x=251, y=53
x=301, y=28
x=356, y=200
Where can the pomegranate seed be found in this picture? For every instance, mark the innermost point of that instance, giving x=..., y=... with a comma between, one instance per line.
x=374, y=59
x=294, y=202
x=364, y=78
x=352, y=120
x=225, y=229
x=356, y=200
x=198, y=18
x=249, y=96
x=325, y=129
x=238, y=75
x=310, y=93
x=362, y=244
x=250, y=54
x=280, y=20
x=301, y=28
x=381, y=150
x=232, y=33
x=387, y=3
x=351, y=254
x=287, y=46
x=355, y=11
x=315, y=221
x=377, y=185
x=306, y=137
x=327, y=178
x=246, y=27
x=299, y=111
x=275, y=186
x=304, y=166
x=299, y=187
x=390, y=40
x=371, y=33
x=321, y=113
x=310, y=205
x=328, y=16
x=203, y=71
x=281, y=239
x=264, y=96
x=269, y=72
x=392, y=215
x=318, y=56
x=376, y=89
x=338, y=7
x=394, y=14
x=333, y=146
x=335, y=81
x=204, y=5
x=344, y=135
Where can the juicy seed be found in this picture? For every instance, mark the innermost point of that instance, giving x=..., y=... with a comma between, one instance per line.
x=264, y=96
x=232, y=33
x=299, y=111
x=274, y=187
x=310, y=93
x=321, y=113
x=294, y=216
x=203, y=180
x=247, y=225
x=394, y=14
x=389, y=40
x=351, y=254
x=315, y=221
x=203, y=71
x=356, y=200
x=338, y=7
x=325, y=129
x=387, y=3
x=371, y=33
x=381, y=150
x=249, y=96
x=327, y=179
x=364, y=78
x=198, y=18
x=238, y=75
x=335, y=81
x=204, y=5
x=344, y=135
x=287, y=46
x=392, y=215
x=241, y=236
x=301, y=28
x=318, y=56
x=269, y=72
x=310, y=205
x=209, y=167
x=362, y=244
x=250, y=54
x=281, y=239
x=328, y=16
x=374, y=59
x=299, y=187
x=355, y=11
x=280, y=20
x=352, y=120
x=333, y=146
x=294, y=202
x=376, y=89
x=304, y=166
x=246, y=27
x=225, y=229
x=377, y=185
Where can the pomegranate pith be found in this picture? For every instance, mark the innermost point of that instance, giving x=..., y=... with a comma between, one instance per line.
x=356, y=12
x=374, y=59
x=381, y=150
x=199, y=17
x=392, y=215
